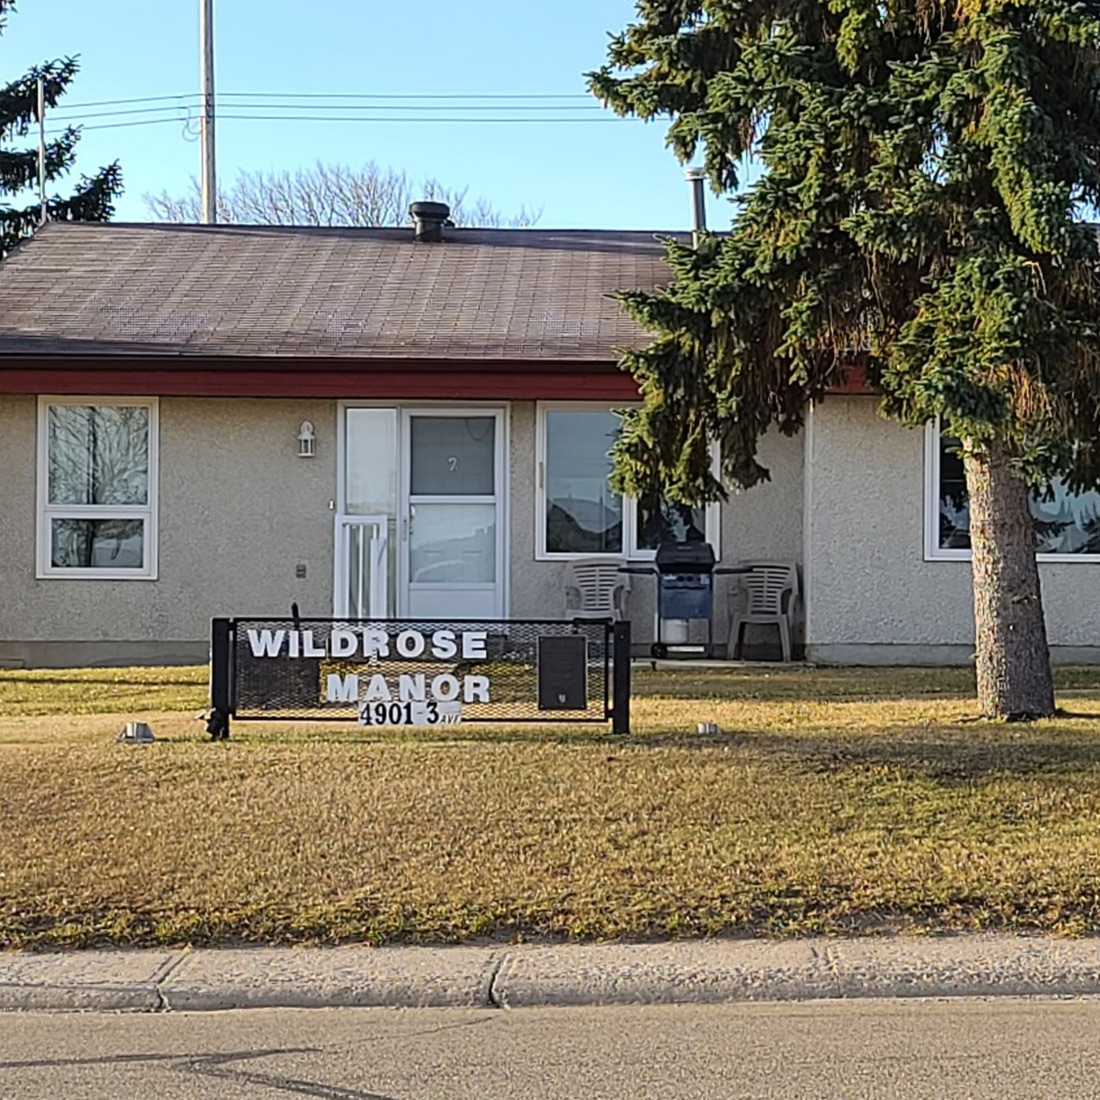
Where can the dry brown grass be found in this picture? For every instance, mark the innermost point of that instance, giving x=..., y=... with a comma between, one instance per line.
x=837, y=800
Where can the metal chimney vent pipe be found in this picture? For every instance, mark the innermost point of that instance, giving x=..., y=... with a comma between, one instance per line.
x=696, y=177
x=429, y=218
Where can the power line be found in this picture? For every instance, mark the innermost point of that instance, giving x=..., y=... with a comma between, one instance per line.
x=117, y=102
x=419, y=118
x=310, y=107
x=479, y=96
x=115, y=114
x=119, y=125
x=412, y=107
x=436, y=120
x=381, y=95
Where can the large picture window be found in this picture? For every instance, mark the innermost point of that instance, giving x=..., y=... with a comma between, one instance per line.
x=1067, y=525
x=578, y=513
x=97, y=478
x=581, y=515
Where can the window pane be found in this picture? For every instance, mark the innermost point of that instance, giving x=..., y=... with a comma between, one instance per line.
x=954, y=503
x=371, y=462
x=583, y=515
x=667, y=521
x=453, y=544
x=453, y=455
x=98, y=454
x=97, y=543
x=1065, y=522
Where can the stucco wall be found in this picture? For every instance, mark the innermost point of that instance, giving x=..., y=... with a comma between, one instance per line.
x=535, y=587
x=871, y=595
x=239, y=511
x=764, y=522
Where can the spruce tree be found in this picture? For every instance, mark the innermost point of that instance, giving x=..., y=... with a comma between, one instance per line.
x=927, y=171
x=94, y=196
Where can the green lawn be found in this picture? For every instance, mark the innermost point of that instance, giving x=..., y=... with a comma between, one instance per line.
x=836, y=800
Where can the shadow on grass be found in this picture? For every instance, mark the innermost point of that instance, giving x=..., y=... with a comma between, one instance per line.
x=738, y=683
x=915, y=752
x=947, y=755
x=77, y=683
x=838, y=685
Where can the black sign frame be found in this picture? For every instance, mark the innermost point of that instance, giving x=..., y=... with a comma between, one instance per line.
x=252, y=680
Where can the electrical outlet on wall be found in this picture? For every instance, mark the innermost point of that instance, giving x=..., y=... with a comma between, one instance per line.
x=300, y=571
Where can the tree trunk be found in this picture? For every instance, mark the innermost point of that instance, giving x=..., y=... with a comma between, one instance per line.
x=1013, y=661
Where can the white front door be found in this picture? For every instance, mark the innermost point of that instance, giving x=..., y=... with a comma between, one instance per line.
x=453, y=537
x=420, y=528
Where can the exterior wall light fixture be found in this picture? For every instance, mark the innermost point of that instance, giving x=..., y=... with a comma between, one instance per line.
x=307, y=440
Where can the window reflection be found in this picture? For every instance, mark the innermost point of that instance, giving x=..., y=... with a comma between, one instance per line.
x=97, y=543
x=98, y=454
x=1065, y=522
x=666, y=521
x=583, y=515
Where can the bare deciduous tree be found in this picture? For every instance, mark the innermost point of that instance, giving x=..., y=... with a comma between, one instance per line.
x=332, y=194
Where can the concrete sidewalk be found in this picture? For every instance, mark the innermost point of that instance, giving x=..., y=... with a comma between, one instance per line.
x=698, y=972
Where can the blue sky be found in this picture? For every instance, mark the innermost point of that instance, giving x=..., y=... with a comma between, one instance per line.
x=603, y=173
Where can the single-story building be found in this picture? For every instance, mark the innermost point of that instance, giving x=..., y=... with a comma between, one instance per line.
x=226, y=420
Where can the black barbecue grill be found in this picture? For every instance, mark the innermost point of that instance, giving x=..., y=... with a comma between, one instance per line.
x=685, y=590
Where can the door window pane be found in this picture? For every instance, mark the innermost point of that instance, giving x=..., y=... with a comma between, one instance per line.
x=98, y=454
x=452, y=455
x=583, y=515
x=97, y=543
x=1065, y=522
x=453, y=544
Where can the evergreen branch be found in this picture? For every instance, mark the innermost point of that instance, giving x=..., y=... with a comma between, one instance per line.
x=93, y=199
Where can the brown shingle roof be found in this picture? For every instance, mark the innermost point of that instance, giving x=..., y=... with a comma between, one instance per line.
x=213, y=291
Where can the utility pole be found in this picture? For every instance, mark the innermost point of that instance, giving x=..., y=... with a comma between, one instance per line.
x=206, y=125
x=43, y=213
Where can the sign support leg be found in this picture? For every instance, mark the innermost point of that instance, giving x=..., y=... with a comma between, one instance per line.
x=620, y=678
x=221, y=679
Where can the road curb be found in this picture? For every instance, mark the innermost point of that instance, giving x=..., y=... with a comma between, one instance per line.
x=724, y=972
x=337, y=977
x=682, y=972
x=78, y=998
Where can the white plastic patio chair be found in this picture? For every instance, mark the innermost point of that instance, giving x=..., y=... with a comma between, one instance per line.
x=595, y=589
x=771, y=593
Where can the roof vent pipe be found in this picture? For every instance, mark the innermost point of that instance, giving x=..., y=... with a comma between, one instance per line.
x=696, y=177
x=429, y=218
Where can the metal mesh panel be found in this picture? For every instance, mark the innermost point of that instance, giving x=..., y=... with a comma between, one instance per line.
x=321, y=668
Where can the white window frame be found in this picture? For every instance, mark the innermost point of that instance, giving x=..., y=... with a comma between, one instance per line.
x=932, y=549
x=629, y=550
x=148, y=512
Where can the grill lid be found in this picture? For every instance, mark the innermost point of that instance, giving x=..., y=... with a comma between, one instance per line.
x=685, y=557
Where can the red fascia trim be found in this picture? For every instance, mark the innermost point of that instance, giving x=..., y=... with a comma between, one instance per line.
x=386, y=379
x=527, y=384
x=855, y=384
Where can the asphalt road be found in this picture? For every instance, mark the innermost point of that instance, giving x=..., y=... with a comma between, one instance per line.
x=1000, y=1048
